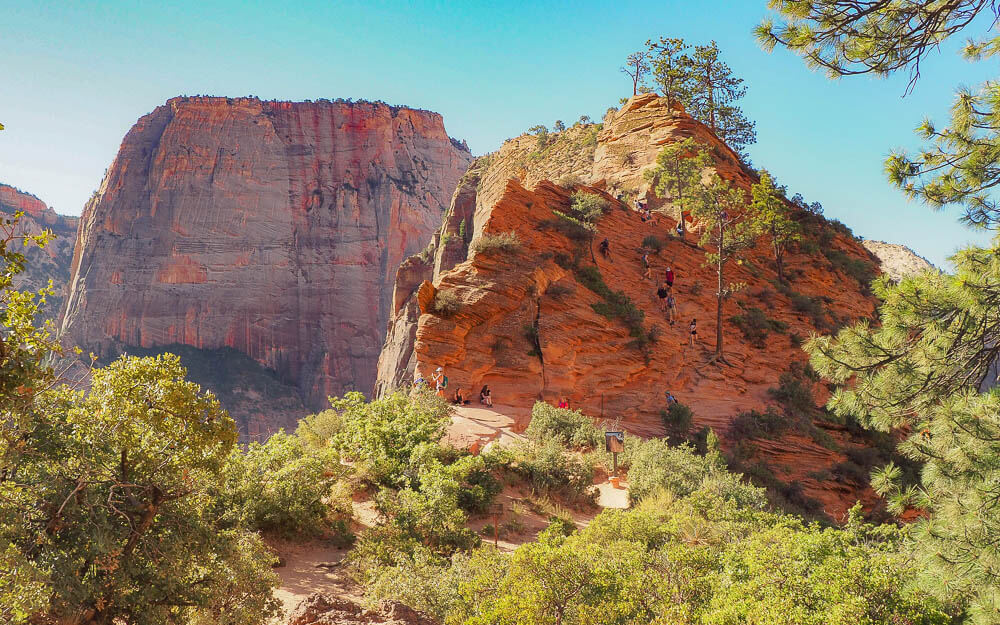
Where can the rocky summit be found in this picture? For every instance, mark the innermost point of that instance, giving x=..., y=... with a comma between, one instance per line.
x=270, y=228
x=531, y=321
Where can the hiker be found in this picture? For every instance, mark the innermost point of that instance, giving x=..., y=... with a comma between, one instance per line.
x=662, y=293
x=670, y=278
x=671, y=400
x=440, y=382
x=606, y=248
x=647, y=271
x=459, y=398
x=680, y=229
x=671, y=307
x=694, y=331
x=486, y=397
x=563, y=403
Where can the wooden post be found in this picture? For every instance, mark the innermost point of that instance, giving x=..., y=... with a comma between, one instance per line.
x=497, y=511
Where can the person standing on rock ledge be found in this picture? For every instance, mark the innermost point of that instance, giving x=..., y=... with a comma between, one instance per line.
x=440, y=381
x=694, y=332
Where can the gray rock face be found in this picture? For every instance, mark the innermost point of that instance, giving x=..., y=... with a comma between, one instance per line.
x=273, y=228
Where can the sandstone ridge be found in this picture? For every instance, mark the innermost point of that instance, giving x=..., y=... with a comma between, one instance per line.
x=525, y=321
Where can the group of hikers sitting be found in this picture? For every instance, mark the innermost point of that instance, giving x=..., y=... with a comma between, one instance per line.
x=439, y=382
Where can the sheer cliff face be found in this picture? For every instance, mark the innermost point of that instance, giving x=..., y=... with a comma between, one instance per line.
x=529, y=323
x=51, y=262
x=274, y=228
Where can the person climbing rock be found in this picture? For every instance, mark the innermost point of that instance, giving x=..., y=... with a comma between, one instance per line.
x=563, y=403
x=669, y=278
x=671, y=400
x=671, y=308
x=680, y=229
x=694, y=331
x=663, y=293
x=486, y=396
x=647, y=270
x=606, y=248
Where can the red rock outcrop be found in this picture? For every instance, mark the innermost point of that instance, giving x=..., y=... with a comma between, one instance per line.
x=505, y=299
x=274, y=228
x=51, y=262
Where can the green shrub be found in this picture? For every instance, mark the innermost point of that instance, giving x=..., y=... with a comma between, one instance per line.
x=657, y=466
x=446, y=302
x=861, y=270
x=383, y=434
x=794, y=390
x=756, y=325
x=570, y=427
x=753, y=424
x=429, y=514
x=507, y=242
x=281, y=486
x=549, y=469
x=812, y=307
x=588, y=207
x=677, y=421
x=652, y=242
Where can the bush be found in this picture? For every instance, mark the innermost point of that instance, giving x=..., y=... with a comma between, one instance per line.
x=656, y=466
x=652, y=242
x=507, y=242
x=382, y=435
x=756, y=326
x=862, y=271
x=753, y=424
x=570, y=427
x=446, y=303
x=569, y=181
x=281, y=486
x=549, y=469
x=677, y=421
x=794, y=390
x=811, y=306
x=588, y=207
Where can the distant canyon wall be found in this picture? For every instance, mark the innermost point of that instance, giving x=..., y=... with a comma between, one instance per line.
x=272, y=228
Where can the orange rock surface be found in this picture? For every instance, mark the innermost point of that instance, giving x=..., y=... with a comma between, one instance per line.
x=53, y=261
x=587, y=357
x=274, y=228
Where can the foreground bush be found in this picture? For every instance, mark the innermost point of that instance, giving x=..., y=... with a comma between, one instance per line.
x=119, y=523
x=382, y=435
x=571, y=428
x=282, y=486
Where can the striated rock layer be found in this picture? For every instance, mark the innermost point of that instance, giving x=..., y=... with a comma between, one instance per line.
x=505, y=298
x=273, y=228
x=51, y=262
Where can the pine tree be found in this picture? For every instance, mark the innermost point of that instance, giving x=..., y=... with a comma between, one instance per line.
x=636, y=67
x=671, y=69
x=772, y=216
x=677, y=175
x=717, y=207
x=961, y=165
x=713, y=99
x=929, y=370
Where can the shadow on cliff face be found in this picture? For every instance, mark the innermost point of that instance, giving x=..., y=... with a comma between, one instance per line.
x=254, y=395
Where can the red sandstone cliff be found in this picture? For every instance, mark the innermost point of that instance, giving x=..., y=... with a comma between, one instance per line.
x=274, y=228
x=587, y=357
x=52, y=262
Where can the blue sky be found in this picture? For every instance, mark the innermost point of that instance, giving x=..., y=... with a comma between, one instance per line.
x=75, y=76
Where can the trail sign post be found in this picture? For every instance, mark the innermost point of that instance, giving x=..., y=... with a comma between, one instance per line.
x=497, y=511
x=614, y=443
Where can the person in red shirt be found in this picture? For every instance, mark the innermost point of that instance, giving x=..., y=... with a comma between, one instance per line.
x=670, y=277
